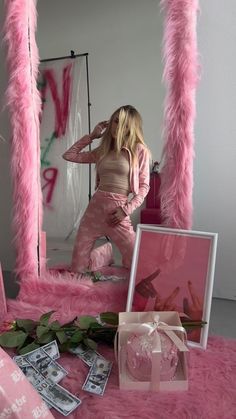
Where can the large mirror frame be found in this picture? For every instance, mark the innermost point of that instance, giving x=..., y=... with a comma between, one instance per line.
x=180, y=77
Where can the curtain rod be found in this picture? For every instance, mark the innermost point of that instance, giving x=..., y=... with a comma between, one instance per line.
x=72, y=55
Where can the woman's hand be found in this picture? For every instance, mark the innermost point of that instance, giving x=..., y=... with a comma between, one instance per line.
x=99, y=130
x=145, y=287
x=116, y=217
x=167, y=304
x=192, y=308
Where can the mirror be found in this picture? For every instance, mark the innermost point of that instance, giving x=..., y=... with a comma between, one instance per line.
x=124, y=42
x=128, y=86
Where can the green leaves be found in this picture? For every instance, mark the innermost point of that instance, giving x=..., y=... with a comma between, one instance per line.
x=13, y=339
x=61, y=336
x=110, y=318
x=26, y=324
x=31, y=347
x=77, y=337
x=26, y=335
x=84, y=322
x=94, y=276
x=90, y=343
x=47, y=337
x=193, y=324
x=55, y=325
x=44, y=319
x=29, y=335
x=41, y=330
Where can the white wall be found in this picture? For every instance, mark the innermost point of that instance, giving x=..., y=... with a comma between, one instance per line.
x=123, y=40
x=6, y=249
x=214, y=172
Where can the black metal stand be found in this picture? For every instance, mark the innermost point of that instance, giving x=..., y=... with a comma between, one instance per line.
x=72, y=55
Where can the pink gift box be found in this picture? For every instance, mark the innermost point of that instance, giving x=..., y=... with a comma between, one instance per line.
x=18, y=398
x=150, y=216
x=141, y=324
x=153, y=197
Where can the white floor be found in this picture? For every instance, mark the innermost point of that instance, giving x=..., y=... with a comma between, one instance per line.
x=60, y=251
x=223, y=318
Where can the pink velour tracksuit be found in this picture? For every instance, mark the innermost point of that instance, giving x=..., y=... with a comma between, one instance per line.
x=94, y=221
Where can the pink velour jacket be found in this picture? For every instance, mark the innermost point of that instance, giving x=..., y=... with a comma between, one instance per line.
x=139, y=172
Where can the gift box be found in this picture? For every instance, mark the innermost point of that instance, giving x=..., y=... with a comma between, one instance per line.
x=153, y=197
x=150, y=216
x=151, y=351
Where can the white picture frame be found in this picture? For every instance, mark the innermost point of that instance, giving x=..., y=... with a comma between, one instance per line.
x=173, y=270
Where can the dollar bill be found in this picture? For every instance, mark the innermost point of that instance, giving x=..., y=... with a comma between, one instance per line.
x=59, y=398
x=39, y=359
x=44, y=373
x=34, y=376
x=87, y=355
x=50, y=369
x=54, y=372
x=43, y=363
x=97, y=377
x=113, y=278
x=52, y=349
x=20, y=361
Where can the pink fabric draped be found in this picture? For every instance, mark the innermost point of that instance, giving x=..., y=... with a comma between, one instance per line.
x=24, y=103
x=180, y=76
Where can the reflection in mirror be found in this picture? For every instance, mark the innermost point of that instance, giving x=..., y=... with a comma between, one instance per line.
x=63, y=85
x=123, y=40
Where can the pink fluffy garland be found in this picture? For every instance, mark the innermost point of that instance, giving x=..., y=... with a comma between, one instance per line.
x=23, y=100
x=180, y=76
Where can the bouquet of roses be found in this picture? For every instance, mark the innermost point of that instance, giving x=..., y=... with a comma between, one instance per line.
x=25, y=335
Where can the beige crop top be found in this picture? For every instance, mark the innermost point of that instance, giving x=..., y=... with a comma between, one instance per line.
x=113, y=173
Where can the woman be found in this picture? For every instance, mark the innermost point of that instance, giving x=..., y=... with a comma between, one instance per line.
x=122, y=167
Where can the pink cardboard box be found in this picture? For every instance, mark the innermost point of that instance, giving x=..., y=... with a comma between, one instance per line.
x=167, y=322
x=150, y=216
x=153, y=197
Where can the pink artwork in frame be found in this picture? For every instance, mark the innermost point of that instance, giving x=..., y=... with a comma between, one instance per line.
x=173, y=270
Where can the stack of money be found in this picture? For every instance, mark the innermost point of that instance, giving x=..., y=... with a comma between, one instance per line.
x=99, y=371
x=44, y=373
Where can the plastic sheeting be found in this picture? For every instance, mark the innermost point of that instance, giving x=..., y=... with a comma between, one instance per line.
x=64, y=119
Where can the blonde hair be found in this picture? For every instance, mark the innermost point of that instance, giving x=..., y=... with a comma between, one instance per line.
x=129, y=132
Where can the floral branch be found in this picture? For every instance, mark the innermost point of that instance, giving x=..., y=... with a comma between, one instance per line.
x=26, y=335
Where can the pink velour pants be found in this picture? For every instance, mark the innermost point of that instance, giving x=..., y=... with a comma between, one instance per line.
x=94, y=225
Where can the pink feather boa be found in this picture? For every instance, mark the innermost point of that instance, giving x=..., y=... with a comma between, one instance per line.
x=24, y=102
x=180, y=76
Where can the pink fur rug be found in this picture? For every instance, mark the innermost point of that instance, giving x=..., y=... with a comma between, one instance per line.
x=68, y=295
x=212, y=373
